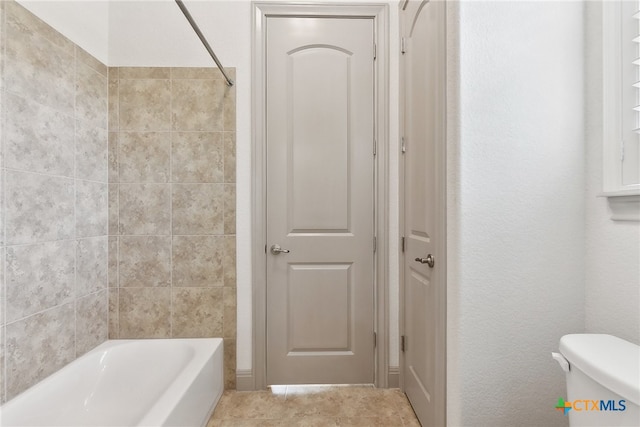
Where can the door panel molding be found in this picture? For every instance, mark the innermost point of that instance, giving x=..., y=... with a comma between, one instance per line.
x=379, y=13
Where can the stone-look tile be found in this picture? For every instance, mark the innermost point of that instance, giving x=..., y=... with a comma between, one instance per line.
x=370, y=422
x=113, y=313
x=249, y=405
x=91, y=153
x=112, y=272
x=230, y=157
x=144, y=73
x=39, y=277
x=229, y=109
x=197, y=209
x=2, y=328
x=91, y=321
x=197, y=261
x=89, y=60
x=92, y=92
x=37, y=138
x=229, y=261
x=37, y=346
x=229, y=209
x=114, y=100
x=144, y=313
x=197, y=105
x=144, y=156
x=92, y=265
x=198, y=157
x=230, y=313
x=197, y=312
x=144, y=105
x=229, y=364
x=144, y=209
x=92, y=208
x=208, y=73
x=38, y=208
x=32, y=26
x=113, y=157
x=114, y=190
x=144, y=261
x=37, y=63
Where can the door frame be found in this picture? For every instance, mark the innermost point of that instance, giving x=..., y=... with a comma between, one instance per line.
x=379, y=12
x=441, y=217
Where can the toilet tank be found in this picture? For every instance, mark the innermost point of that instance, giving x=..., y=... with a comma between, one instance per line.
x=603, y=380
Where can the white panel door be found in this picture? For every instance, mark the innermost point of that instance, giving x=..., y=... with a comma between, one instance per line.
x=320, y=195
x=424, y=266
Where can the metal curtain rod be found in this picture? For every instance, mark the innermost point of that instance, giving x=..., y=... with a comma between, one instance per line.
x=204, y=41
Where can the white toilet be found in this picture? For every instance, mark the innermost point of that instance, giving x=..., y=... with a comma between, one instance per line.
x=603, y=380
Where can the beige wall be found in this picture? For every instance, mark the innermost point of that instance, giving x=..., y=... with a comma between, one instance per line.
x=172, y=206
x=54, y=231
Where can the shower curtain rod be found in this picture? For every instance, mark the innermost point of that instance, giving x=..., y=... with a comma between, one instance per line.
x=204, y=41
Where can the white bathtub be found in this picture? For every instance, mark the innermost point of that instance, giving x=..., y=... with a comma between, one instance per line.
x=168, y=382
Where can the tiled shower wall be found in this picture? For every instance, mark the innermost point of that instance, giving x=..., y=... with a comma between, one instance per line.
x=128, y=233
x=172, y=206
x=54, y=304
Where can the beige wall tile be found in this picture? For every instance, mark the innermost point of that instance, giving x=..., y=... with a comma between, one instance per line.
x=38, y=208
x=229, y=110
x=91, y=97
x=208, y=73
x=144, y=261
x=198, y=157
x=197, y=105
x=197, y=312
x=197, y=261
x=89, y=60
x=230, y=364
x=38, y=138
x=91, y=153
x=145, y=209
x=113, y=157
x=113, y=313
x=114, y=100
x=144, y=73
x=144, y=156
x=37, y=346
x=92, y=208
x=229, y=209
x=229, y=261
x=39, y=277
x=197, y=209
x=113, y=262
x=114, y=190
x=38, y=63
x=144, y=105
x=230, y=313
x=144, y=313
x=92, y=326
x=92, y=265
x=2, y=351
x=230, y=157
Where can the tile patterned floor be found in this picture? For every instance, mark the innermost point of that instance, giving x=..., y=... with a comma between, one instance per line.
x=314, y=406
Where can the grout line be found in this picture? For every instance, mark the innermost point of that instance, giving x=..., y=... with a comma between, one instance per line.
x=75, y=202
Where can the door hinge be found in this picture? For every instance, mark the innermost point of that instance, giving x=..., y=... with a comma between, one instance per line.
x=375, y=147
x=402, y=46
x=402, y=244
x=375, y=244
x=403, y=146
x=265, y=249
x=375, y=51
x=375, y=340
x=403, y=343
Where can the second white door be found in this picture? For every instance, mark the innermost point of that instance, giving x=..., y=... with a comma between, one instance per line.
x=320, y=200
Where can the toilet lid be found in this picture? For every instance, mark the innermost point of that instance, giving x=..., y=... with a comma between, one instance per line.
x=608, y=360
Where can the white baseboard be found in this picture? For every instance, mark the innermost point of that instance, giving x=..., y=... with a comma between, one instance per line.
x=393, y=377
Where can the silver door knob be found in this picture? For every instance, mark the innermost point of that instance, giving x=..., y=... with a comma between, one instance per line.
x=429, y=260
x=277, y=250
